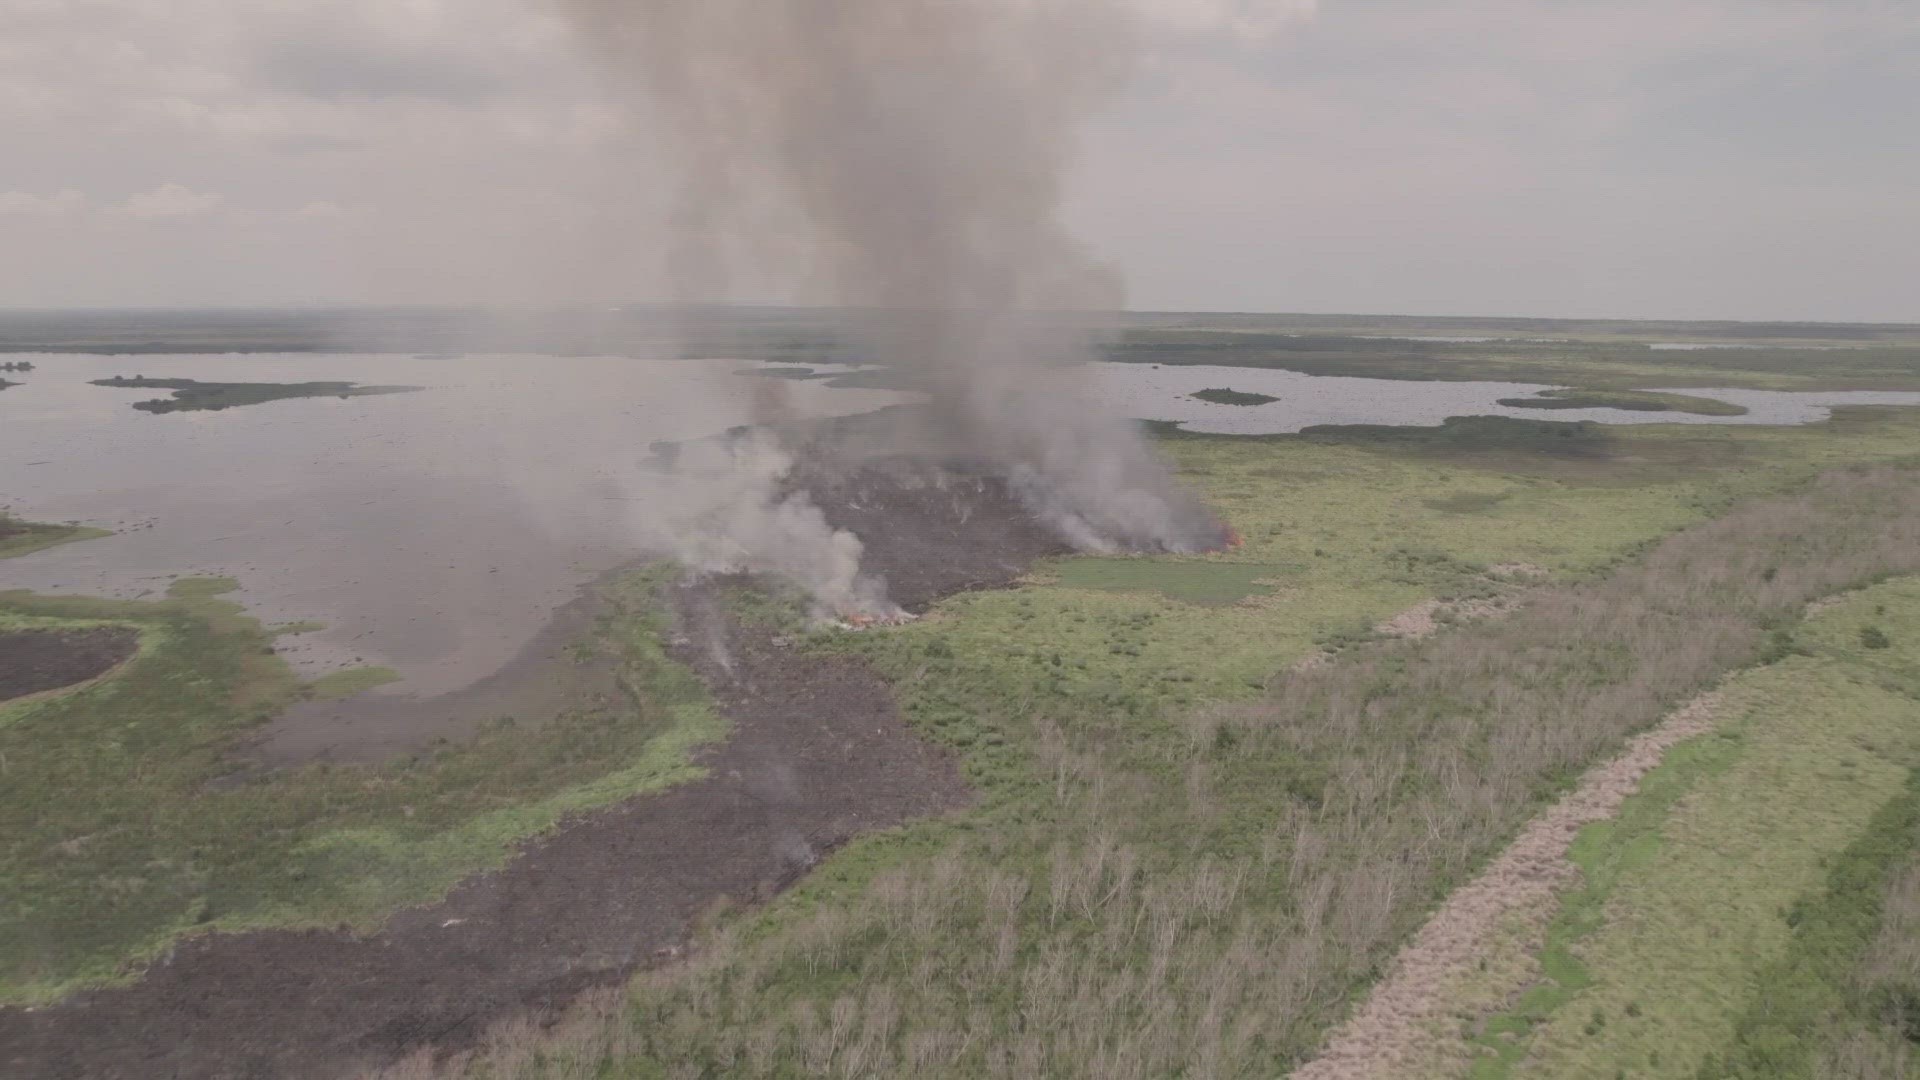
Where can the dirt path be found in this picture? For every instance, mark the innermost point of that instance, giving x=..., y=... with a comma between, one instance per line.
x=1411, y=1024
x=819, y=756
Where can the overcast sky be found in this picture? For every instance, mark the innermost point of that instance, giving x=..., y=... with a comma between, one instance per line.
x=1744, y=159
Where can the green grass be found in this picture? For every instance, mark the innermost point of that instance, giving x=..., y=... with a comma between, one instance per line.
x=22, y=537
x=1211, y=584
x=112, y=844
x=1616, y=358
x=1802, y=997
x=1226, y=396
x=192, y=395
x=1630, y=400
x=1604, y=852
x=1131, y=817
x=1085, y=715
x=1697, y=897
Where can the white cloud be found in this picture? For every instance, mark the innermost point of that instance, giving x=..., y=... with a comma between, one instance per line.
x=169, y=202
x=1714, y=157
x=1249, y=22
x=26, y=204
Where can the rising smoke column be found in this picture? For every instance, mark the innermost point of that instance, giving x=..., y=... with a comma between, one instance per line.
x=904, y=159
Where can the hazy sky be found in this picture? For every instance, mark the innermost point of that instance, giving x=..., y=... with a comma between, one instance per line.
x=1668, y=158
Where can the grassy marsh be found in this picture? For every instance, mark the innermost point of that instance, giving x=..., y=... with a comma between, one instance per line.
x=117, y=840
x=1184, y=858
x=1226, y=396
x=23, y=537
x=1630, y=400
x=190, y=395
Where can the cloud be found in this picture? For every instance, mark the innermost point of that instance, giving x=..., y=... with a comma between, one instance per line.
x=1711, y=157
x=1247, y=22
x=333, y=62
x=27, y=205
x=169, y=202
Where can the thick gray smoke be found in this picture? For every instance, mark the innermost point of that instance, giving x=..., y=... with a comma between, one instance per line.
x=904, y=159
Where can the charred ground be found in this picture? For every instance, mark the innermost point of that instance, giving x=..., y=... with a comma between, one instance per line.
x=817, y=756
x=34, y=661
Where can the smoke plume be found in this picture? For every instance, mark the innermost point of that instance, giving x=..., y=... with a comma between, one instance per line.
x=902, y=160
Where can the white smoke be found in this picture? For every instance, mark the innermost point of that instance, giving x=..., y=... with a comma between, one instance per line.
x=719, y=506
x=904, y=159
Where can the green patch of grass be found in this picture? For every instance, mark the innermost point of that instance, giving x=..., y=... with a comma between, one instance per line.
x=1700, y=892
x=1618, y=360
x=1604, y=851
x=192, y=395
x=1164, y=836
x=1467, y=502
x=350, y=681
x=1582, y=438
x=112, y=843
x=1227, y=396
x=1797, y=997
x=1210, y=584
x=1630, y=400
x=22, y=537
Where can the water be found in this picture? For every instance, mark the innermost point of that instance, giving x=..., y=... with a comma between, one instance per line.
x=1151, y=392
x=432, y=532
x=1695, y=346
x=437, y=532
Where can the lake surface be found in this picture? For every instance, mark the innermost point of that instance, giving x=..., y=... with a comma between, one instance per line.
x=434, y=532
x=1156, y=392
x=437, y=532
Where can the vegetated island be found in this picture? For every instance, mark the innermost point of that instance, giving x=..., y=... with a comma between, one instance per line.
x=1630, y=400
x=20, y=537
x=1221, y=395
x=190, y=394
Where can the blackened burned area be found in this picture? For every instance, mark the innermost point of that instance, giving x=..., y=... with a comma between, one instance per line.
x=818, y=756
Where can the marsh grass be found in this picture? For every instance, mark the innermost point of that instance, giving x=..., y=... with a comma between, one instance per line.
x=112, y=842
x=1220, y=395
x=1204, y=583
x=23, y=537
x=1204, y=897
x=1717, y=911
x=1628, y=400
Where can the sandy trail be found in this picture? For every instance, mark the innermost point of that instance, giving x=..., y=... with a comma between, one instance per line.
x=1406, y=1026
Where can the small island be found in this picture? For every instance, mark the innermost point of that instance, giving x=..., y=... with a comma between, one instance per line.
x=1627, y=400
x=1223, y=396
x=191, y=394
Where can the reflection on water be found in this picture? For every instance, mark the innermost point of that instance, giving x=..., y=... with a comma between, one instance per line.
x=437, y=532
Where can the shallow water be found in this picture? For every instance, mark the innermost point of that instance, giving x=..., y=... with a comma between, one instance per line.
x=433, y=532
x=1153, y=392
x=437, y=532
x=1695, y=346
